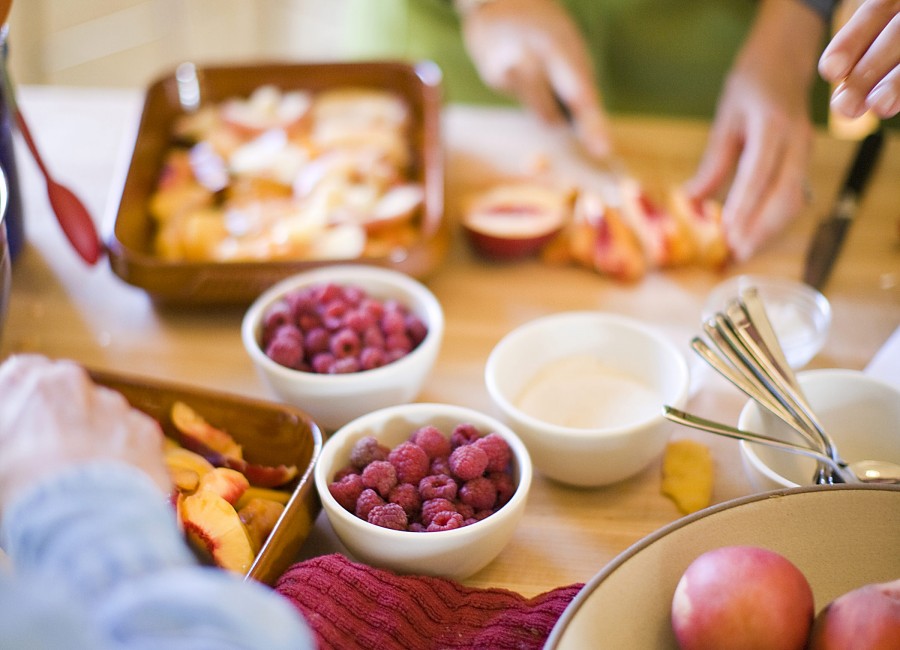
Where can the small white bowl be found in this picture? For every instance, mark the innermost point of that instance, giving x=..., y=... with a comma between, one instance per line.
x=333, y=400
x=454, y=554
x=614, y=371
x=800, y=315
x=861, y=414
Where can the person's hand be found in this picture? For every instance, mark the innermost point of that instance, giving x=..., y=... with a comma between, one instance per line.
x=863, y=59
x=53, y=416
x=761, y=138
x=533, y=50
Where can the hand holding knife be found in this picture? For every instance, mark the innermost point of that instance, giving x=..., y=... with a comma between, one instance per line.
x=831, y=231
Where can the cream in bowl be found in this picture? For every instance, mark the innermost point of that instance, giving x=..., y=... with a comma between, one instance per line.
x=585, y=391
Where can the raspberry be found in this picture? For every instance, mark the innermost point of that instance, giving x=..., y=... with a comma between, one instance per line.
x=432, y=441
x=346, y=471
x=433, y=506
x=505, y=485
x=416, y=527
x=286, y=347
x=345, y=343
x=416, y=329
x=381, y=476
x=464, y=434
x=277, y=315
x=479, y=493
x=366, y=450
x=347, y=490
x=344, y=366
x=316, y=340
x=438, y=486
x=353, y=296
x=359, y=320
x=393, y=322
x=373, y=338
x=322, y=362
x=441, y=465
x=398, y=342
x=445, y=521
x=367, y=500
x=406, y=495
x=497, y=449
x=371, y=358
x=372, y=307
x=410, y=461
x=390, y=515
x=467, y=511
x=468, y=461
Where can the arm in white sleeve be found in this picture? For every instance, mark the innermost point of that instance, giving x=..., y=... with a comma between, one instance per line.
x=98, y=562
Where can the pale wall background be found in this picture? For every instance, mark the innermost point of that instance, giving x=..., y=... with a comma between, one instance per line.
x=131, y=42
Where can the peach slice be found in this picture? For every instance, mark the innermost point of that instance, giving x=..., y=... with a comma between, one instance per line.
x=255, y=492
x=702, y=221
x=601, y=240
x=663, y=238
x=214, y=529
x=228, y=483
x=191, y=424
x=186, y=468
x=260, y=516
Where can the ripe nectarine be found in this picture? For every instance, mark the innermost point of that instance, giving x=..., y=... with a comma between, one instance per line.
x=742, y=597
x=867, y=617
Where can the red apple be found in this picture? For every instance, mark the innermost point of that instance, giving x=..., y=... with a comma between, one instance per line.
x=867, y=617
x=516, y=220
x=741, y=597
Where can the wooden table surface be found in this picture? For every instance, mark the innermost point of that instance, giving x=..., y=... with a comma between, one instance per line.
x=62, y=308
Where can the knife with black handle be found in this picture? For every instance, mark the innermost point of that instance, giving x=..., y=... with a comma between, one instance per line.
x=831, y=231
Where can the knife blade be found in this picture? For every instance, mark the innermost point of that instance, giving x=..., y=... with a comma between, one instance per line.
x=831, y=231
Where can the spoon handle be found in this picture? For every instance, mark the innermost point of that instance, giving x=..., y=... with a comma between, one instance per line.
x=702, y=424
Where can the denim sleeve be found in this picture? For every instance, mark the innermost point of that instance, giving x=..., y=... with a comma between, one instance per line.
x=96, y=550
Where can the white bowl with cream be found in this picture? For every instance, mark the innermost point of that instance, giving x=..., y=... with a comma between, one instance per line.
x=585, y=391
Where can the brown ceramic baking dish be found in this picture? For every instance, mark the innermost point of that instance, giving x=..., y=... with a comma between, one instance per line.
x=270, y=434
x=130, y=243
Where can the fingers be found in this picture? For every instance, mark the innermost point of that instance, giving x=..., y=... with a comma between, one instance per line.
x=863, y=60
x=719, y=159
x=769, y=189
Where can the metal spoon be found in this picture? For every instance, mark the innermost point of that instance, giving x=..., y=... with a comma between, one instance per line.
x=865, y=471
x=710, y=426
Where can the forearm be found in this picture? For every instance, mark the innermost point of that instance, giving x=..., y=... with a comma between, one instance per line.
x=104, y=535
x=785, y=40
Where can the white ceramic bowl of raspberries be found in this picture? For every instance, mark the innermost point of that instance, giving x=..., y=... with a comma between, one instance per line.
x=585, y=390
x=340, y=341
x=425, y=489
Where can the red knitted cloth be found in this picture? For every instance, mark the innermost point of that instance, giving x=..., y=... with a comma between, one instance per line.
x=351, y=605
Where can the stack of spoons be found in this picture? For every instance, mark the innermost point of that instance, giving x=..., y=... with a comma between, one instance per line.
x=746, y=351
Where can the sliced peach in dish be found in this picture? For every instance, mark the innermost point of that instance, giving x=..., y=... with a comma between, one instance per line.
x=260, y=516
x=191, y=424
x=228, y=483
x=214, y=529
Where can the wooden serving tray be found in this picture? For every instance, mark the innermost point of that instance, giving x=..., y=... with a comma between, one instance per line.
x=129, y=244
x=269, y=433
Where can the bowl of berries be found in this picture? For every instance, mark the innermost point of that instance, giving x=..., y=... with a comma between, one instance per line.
x=426, y=489
x=341, y=341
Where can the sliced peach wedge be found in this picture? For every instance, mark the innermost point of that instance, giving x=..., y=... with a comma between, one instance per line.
x=214, y=529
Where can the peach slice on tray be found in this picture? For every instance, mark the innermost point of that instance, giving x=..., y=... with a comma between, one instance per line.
x=214, y=529
x=228, y=483
x=260, y=515
x=219, y=449
x=516, y=219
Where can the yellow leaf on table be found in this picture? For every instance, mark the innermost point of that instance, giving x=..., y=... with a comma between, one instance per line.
x=687, y=475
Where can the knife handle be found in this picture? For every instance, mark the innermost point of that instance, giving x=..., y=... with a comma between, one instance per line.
x=865, y=160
